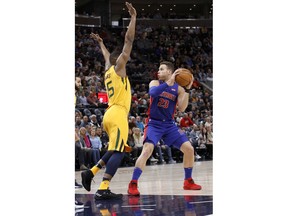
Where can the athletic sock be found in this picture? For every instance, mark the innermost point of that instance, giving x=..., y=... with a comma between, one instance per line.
x=104, y=212
x=188, y=172
x=136, y=173
x=96, y=168
x=104, y=184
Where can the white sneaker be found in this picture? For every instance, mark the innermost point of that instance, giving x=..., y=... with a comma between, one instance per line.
x=79, y=211
x=171, y=162
x=197, y=156
x=152, y=159
x=78, y=204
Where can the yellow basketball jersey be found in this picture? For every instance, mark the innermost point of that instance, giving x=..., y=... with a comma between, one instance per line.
x=118, y=89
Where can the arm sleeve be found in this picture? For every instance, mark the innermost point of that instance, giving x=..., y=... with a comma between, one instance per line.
x=154, y=91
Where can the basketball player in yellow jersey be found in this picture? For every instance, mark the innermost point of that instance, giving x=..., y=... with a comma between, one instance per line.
x=115, y=119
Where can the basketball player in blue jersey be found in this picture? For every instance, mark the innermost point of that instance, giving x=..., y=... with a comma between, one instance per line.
x=115, y=120
x=165, y=95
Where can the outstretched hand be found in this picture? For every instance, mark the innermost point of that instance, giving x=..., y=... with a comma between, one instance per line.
x=131, y=9
x=96, y=37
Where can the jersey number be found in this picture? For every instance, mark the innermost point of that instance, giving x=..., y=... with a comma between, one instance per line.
x=163, y=103
x=110, y=89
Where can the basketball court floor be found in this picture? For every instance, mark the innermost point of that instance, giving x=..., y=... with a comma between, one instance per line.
x=161, y=188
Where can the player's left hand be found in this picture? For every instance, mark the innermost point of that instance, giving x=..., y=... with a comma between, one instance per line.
x=190, y=84
x=96, y=37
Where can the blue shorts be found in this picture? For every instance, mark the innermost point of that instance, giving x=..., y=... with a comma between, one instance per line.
x=167, y=130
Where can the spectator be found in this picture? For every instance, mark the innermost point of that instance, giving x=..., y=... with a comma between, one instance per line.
x=139, y=124
x=194, y=139
x=78, y=114
x=93, y=120
x=88, y=129
x=132, y=122
x=135, y=98
x=178, y=116
x=78, y=121
x=208, y=122
x=86, y=147
x=138, y=140
x=92, y=99
x=82, y=100
x=85, y=121
x=96, y=143
x=167, y=151
x=145, y=99
x=186, y=122
x=79, y=152
x=202, y=136
x=209, y=142
x=98, y=114
x=134, y=109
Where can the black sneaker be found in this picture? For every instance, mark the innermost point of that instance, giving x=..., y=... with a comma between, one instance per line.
x=106, y=194
x=87, y=177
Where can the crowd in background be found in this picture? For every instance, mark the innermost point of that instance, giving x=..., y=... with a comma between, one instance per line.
x=188, y=48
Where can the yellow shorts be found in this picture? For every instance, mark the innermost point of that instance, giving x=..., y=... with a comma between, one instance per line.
x=115, y=123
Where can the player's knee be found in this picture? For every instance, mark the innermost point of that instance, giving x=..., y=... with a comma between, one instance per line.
x=187, y=148
x=146, y=154
x=147, y=150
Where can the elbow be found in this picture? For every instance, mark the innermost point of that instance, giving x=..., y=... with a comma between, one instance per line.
x=129, y=39
x=152, y=93
x=182, y=108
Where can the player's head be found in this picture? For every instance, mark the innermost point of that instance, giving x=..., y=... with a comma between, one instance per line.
x=114, y=56
x=165, y=70
x=77, y=83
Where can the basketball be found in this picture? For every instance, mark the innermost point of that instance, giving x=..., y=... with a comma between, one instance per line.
x=184, y=77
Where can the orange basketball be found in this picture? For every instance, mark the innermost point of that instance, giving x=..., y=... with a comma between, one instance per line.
x=184, y=77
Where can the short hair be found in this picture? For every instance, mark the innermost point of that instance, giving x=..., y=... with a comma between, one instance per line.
x=114, y=56
x=168, y=64
x=93, y=115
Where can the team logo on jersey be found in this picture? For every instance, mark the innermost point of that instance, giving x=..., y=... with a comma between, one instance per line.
x=173, y=89
x=168, y=95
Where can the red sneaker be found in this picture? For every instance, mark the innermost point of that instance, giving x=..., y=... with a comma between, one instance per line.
x=190, y=185
x=133, y=200
x=133, y=188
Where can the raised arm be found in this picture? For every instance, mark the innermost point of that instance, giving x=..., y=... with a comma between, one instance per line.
x=104, y=50
x=128, y=43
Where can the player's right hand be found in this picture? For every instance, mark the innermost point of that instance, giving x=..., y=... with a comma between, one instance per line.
x=171, y=81
x=131, y=9
x=96, y=37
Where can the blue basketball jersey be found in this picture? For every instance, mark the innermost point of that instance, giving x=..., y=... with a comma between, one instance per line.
x=163, y=106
